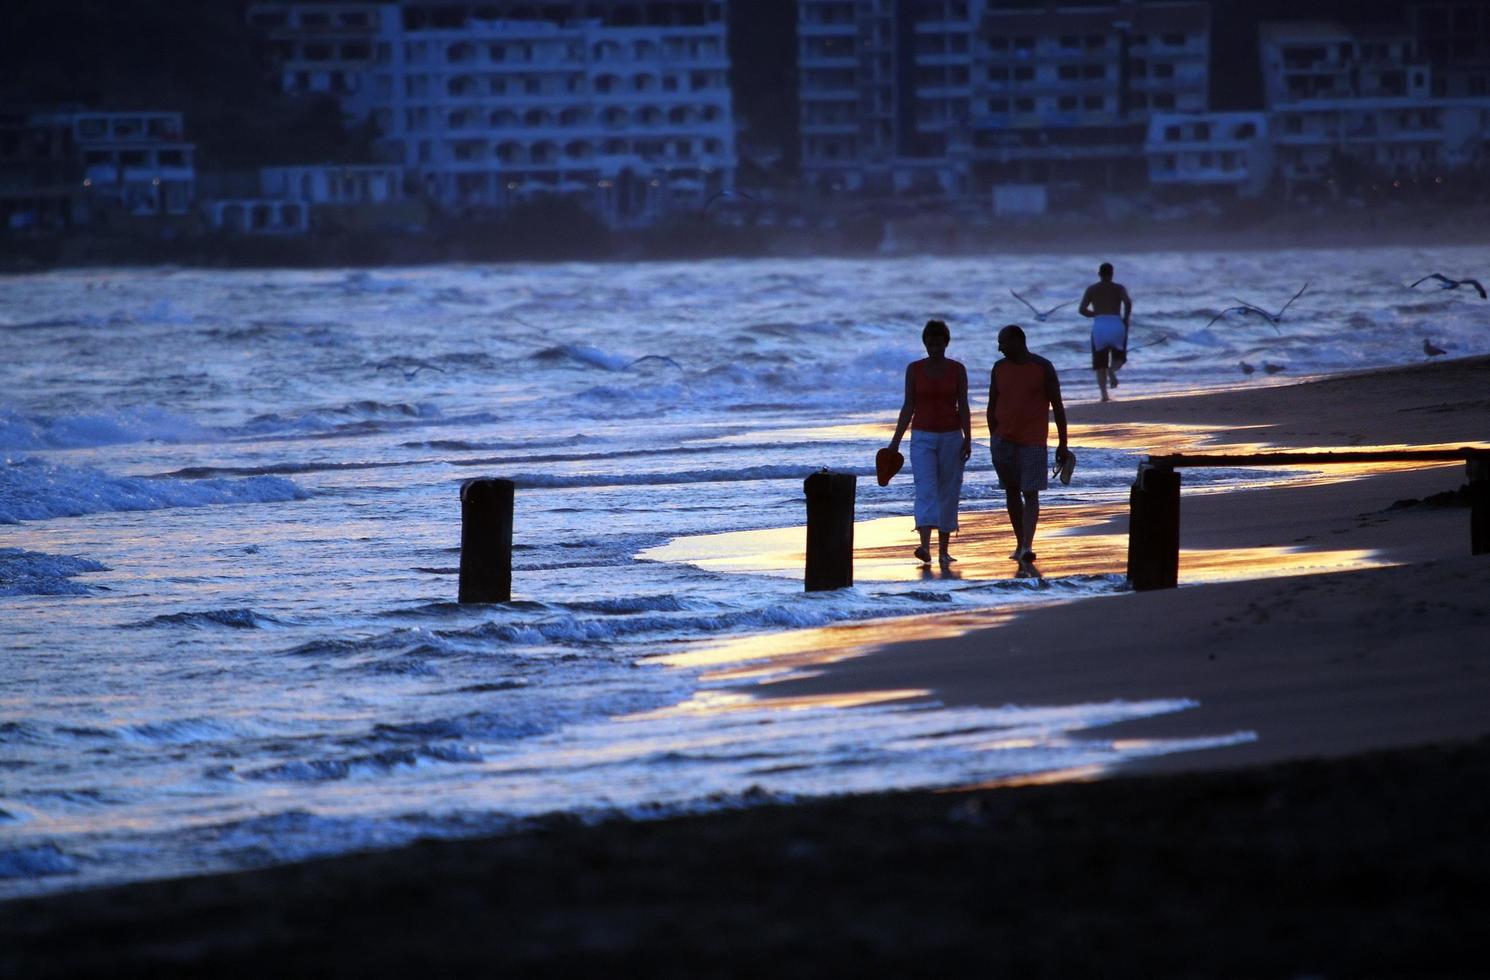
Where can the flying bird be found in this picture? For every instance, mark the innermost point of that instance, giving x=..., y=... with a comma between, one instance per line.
x=658, y=358
x=1246, y=368
x=1272, y=368
x=408, y=371
x=1444, y=282
x=718, y=194
x=1040, y=316
x=1245, y=307
x=1432, y=349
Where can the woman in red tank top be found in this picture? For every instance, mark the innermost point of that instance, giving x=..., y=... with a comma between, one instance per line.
x=936, y=411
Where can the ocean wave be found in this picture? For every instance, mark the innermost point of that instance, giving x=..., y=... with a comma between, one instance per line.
x=34, y=490
x=745, y=474
x=462, y=445
x=24, y=431
x=374, y=764
x=36, y=862
x=242, y=619
x=583, y=354
x=37, y=573
x=629, y=605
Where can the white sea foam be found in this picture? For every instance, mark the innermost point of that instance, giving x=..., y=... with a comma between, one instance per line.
x=35, y=573
x=34, y=490
x=26, y=431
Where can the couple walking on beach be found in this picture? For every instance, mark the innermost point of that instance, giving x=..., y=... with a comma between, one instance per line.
x=1023, y=390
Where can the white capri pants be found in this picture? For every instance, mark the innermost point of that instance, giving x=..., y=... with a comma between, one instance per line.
x=936, y=466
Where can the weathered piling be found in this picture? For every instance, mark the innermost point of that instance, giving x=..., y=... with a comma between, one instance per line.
x=1479, y=502
x=1154, y=528
x=486, y=540
x=830, y=530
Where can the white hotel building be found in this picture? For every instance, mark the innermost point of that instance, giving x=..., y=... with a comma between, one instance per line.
x=1337, y=92
x=1207, y=152
x=622, y=104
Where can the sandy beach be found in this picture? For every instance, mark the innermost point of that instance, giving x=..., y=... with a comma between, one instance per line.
x=1345, y=838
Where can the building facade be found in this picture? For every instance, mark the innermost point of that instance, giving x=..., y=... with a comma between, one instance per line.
x=1207, y=152
x=1066, y=91
x=959, y=96
x=65, y=167
x=1353, y=106
x=884, y=88
x=623, y=106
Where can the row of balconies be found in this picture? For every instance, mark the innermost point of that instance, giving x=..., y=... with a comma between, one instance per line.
x=559, y=95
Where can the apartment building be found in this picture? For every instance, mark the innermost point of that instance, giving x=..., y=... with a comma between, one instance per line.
x=1207, y=152
x=1348, y=104
x=624, y=106
x=884, y=90
x=1064, y=93
x=40, y=182
x=1454, y=39
x=323, y=48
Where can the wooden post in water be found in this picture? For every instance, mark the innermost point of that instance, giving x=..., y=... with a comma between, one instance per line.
x=830, y=530
x=1154, y=528
x=486, y=540
x=1479, y=502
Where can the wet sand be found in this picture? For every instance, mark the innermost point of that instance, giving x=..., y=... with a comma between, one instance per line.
x=1346, y=840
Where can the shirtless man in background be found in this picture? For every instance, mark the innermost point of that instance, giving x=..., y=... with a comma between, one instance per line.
x=1107, y=303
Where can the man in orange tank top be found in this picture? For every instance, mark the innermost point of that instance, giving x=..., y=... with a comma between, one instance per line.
x=1023, y=390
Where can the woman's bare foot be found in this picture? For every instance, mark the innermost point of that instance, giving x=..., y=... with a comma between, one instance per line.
x=923, y=555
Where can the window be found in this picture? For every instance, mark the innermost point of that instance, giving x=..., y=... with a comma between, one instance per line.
x=1171, y=134
x=1069, y=71
x=1096, y=41
x=1025, y=104
x=1164, y=71
x=998, y=74
x=1024, y=73
x=1093, y=103
x=1173, y=40
x=1093, y=71
x=1070, y=41
x=1163, y=100
x=998, y=105
x=1067, y=103
x=1202, y=131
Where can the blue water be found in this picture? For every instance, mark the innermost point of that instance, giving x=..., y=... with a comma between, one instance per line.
x=229, y=524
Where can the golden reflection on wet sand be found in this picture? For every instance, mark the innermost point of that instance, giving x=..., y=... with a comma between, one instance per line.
x=1068, y=544
x=882, y=550
x=720, y=702
x=771, y=655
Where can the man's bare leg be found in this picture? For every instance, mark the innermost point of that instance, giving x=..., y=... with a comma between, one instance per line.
x=1015, y=506
x=1102, y=383
x=1031, y=515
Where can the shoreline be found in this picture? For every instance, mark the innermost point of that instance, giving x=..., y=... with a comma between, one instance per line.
x=1322, y=664
x=1348, y=834
x=915, y=235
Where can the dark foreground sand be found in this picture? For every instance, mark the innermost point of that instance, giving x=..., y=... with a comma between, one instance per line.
x=1302, y=854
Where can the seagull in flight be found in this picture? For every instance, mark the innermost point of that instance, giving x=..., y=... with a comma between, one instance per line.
x=1246, y=368
x=1272, y=368
x=660, y=359
x=1444, y=282
x=1245, y=307
x=410, y=372
x=718, y=194
x=1038, y=314
x=1432, y=349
